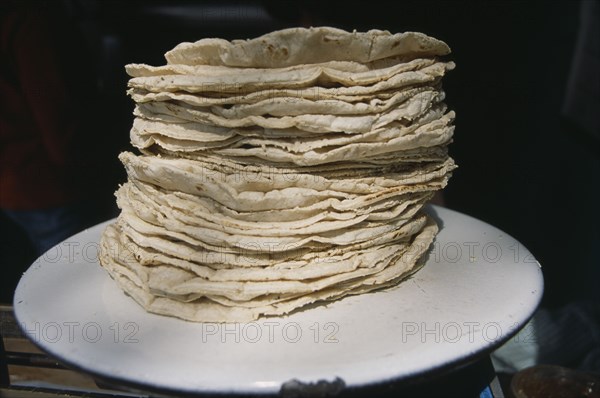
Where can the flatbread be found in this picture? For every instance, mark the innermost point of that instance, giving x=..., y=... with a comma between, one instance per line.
x=279, y=171
x=297, y=46
x=207, y=310
x=256, y=80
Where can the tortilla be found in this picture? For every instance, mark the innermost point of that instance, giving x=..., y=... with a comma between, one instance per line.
x=205, y=309
x=297, y=46
x=280, y=171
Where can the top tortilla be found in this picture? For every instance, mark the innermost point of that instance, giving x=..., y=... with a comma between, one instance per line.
x=295, y=46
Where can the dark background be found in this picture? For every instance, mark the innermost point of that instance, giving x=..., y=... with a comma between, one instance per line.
x=523, y=166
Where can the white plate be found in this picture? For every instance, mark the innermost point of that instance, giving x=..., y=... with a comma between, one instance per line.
x=478, y=287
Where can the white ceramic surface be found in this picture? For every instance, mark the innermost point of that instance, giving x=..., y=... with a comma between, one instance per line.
x=478, y=287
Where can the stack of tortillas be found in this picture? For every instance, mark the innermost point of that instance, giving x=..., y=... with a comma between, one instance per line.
x=279, y=171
